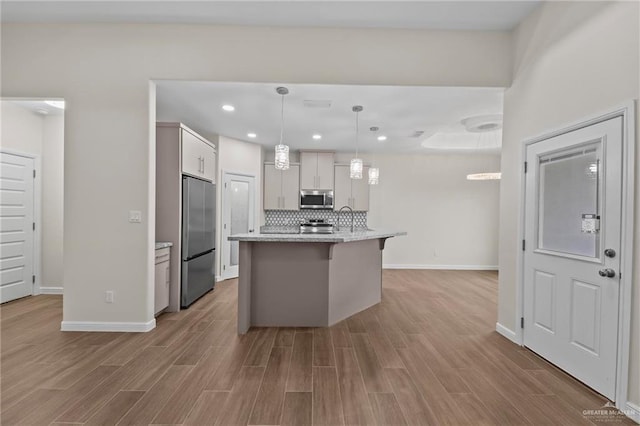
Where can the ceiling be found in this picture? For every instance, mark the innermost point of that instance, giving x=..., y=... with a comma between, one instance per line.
x=37, y=106
x=399, y=112
x=446, y=15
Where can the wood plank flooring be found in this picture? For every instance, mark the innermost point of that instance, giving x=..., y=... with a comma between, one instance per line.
x=427, y=355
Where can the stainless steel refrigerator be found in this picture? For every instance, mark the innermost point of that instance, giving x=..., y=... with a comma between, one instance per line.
x=198, y=239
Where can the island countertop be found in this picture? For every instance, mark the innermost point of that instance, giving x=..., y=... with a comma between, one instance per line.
x=342, y=236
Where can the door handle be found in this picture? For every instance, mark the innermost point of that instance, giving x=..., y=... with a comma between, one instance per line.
x=610, y=253
x=250, y=230
x=608, y=272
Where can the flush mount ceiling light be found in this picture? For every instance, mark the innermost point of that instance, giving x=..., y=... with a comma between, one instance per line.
x=252, y=135
x=228, y=108
x=485, y=176
x=55, y=104
x=316, y=137
x=483, y=123
x=355, y=169
x=282, y=150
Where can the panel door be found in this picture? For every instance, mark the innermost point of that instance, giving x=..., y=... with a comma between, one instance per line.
x=342, y=190
x=291, y=188
x=16, y=227
x=325, y=170
x=272, y=194
x=238, y=216
x=308, y=170
x=192, y=155
x=360, y=192
x=571, y=261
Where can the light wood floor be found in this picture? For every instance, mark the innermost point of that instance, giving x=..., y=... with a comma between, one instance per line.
x=427, y=355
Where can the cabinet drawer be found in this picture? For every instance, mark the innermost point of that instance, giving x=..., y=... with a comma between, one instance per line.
x=163, y=255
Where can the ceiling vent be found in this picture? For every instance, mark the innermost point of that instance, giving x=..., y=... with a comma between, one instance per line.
x=317, y=103
x=417, y=134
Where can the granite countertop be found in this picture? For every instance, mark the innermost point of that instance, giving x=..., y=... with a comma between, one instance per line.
x=342, y=236
x=161, y=245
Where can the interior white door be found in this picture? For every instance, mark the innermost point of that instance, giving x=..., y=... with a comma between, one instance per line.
x=572, y=251
x=238, y=205
x=16, y=226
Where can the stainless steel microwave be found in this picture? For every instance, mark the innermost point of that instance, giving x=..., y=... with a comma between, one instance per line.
x=316, y=199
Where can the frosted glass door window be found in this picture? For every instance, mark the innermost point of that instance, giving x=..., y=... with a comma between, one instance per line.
x=239, y=215
x=569, y=185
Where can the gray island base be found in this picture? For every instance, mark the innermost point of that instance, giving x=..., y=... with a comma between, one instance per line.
x=298, y=280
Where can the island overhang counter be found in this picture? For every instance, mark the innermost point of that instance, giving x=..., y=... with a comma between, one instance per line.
x=308, y=280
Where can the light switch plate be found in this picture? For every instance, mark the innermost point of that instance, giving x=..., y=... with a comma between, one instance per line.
x=135, y=216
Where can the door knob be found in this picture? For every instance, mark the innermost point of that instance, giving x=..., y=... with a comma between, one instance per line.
x=608, y=272
x=610, y=253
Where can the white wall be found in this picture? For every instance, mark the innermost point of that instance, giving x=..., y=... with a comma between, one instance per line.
x=235, y=156
x=103, y=73
x=450, y=222
x=52, y=200
x=572, y=60
x=21, y=129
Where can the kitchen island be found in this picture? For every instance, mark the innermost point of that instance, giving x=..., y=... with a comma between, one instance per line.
x=308, y=280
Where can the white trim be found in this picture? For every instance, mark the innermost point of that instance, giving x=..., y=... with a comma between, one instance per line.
x=506, y=332
x=449, y=267
x=130, y=327
x=628, y=113
x=51, y=290
x=632, y=411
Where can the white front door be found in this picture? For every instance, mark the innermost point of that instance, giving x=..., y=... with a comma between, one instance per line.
x=238, y=217
x=572, y=251
x=16, y=227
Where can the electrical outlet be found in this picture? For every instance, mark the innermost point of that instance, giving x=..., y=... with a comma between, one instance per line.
x=135, y=216
x=108, y=296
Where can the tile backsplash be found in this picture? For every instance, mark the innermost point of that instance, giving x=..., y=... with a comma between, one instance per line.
x=293, y=218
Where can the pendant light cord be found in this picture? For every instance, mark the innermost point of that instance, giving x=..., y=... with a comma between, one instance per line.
x=357, y=131
x=282, y=120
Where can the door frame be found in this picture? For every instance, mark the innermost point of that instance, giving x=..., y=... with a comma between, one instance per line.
x=37, y=199
x=628, y=113
x=224, y=275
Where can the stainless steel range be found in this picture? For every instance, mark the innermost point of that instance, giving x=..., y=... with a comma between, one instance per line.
x=316, y=226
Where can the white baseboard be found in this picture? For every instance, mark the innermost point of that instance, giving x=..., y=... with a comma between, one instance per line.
x=632, y=411
x=509, y=334
x=450, y=267
x=50, y=290
x=128, y=327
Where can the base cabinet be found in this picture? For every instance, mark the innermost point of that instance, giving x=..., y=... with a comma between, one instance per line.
x=162, y=279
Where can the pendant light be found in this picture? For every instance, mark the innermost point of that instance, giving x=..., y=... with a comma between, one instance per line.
x=374, y=172
x=355, y=170
x=282, y=150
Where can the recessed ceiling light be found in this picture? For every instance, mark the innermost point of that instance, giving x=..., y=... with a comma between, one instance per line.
x=228, y=108
x=382, y=138
x=251, y=135
x=485, y=176
x=317, y=137
x=55, y=104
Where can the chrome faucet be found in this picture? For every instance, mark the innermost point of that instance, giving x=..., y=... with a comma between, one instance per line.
x=339, y=213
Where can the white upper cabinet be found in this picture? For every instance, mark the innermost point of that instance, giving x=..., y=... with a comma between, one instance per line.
x=316, y=170
x=198, y=157
x=351, y=192
x=281, y=188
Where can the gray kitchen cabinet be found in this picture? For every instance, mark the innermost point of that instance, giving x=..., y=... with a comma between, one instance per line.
x=351, y=192
x=198, y=156
x=162, y=279
x=281, y=188
x=316, y=170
